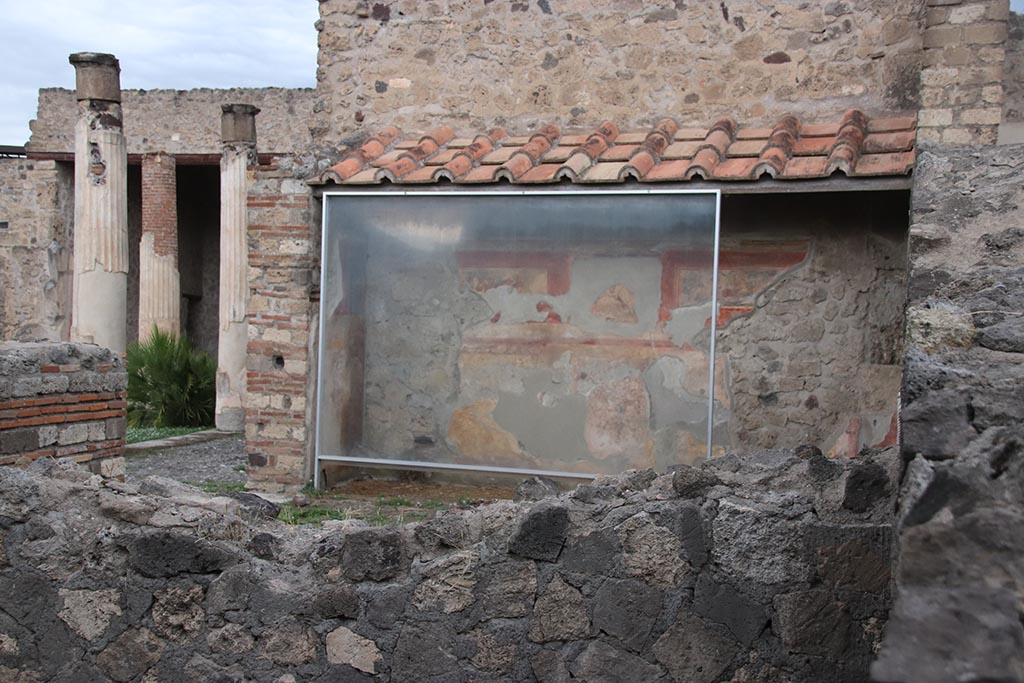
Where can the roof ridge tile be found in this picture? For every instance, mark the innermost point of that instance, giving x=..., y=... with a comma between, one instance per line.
x=846, y=149
x=778, y=150
x=857, y=146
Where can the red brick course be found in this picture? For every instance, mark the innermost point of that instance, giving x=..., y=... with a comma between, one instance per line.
x=41, y=417
x=160, y=202
x=283, y=251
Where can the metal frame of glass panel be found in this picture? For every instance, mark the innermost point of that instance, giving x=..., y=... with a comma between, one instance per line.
x=575, y=191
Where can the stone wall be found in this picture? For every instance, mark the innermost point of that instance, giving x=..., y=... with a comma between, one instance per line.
x=765, y=569
x=63, y=401
x=962, y=506
x=814, y=353
x=284, y=238
x=962, y=79
x=600, y=363
x=36, y=215
x=180, y=121
x=1013, y=74
x=520, y=64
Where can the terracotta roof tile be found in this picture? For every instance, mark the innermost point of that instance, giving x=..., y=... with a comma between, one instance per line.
x=855, y=146
x=900, y=141
x=735, y=169
x=500, y=155
x=669, y=170
x=889, y=125
x=691, y=134
x=746, y=148
x=892, y=163
x=559, y=154
x=618, y=152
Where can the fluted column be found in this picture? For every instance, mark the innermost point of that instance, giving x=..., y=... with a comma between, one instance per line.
x=159, y=281
x=100, y=295
x=238, y=133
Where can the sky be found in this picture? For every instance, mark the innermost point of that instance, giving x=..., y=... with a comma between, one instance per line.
x=161, y=44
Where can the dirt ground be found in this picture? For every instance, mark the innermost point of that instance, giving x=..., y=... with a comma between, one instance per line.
x=219, y=465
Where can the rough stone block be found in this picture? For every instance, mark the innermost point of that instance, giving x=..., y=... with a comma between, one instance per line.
x=365, y=554
x=982, y=621
x=163, y=554
x=937, y=425
x=22, y=440
x=559, y=614
x=109, y=468
x=724, y=604
x=542, y=533
x=985, y=34
x=627, y=610
x=695, y=651
x=811, y=622
x=604, y=663
x=73, y=434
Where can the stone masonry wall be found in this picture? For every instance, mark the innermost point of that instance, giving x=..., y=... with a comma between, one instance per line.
x=63, y=401
x=180, y=121
x=519, y=64
x=1013, y=74
x=962, y=75
x=284, y=237
x=765, y=569
x=36, y=214
x=578, y=370
x=960, y=551
x=815, y=356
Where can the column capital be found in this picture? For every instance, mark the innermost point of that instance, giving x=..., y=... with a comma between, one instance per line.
x=238, y=123
x=97, y=76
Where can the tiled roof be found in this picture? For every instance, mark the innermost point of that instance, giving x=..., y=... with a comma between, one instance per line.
x=855, y=146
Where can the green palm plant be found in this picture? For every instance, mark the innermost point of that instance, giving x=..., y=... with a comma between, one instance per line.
x=170, y=384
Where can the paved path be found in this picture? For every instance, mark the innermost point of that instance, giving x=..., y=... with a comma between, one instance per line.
x=219, y=458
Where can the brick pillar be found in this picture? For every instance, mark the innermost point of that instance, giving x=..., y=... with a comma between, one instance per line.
x=100, y=287
x=962, y=78
x=159, y=282
x=238, y=133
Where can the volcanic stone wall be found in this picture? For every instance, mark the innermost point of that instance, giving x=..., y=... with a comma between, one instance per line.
x=961, y=555
x=63, y=401
x=773, y=567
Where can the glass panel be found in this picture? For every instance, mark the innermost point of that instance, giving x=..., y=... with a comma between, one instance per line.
x=560, y=332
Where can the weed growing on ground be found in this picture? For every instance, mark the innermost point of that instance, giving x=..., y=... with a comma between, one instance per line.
x=140, y=434
x=310, y=514
x=219, y=486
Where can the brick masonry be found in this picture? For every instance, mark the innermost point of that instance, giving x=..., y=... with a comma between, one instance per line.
x=61, y=400
x=283, y=243
x=160, y=202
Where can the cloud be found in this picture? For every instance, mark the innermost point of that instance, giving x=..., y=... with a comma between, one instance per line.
x=161, y=44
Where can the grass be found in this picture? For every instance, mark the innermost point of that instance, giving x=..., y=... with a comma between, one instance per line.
x=406, y=503
x=314, y=514
x=140, y=434
x=219, y=486
x=310, y=514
